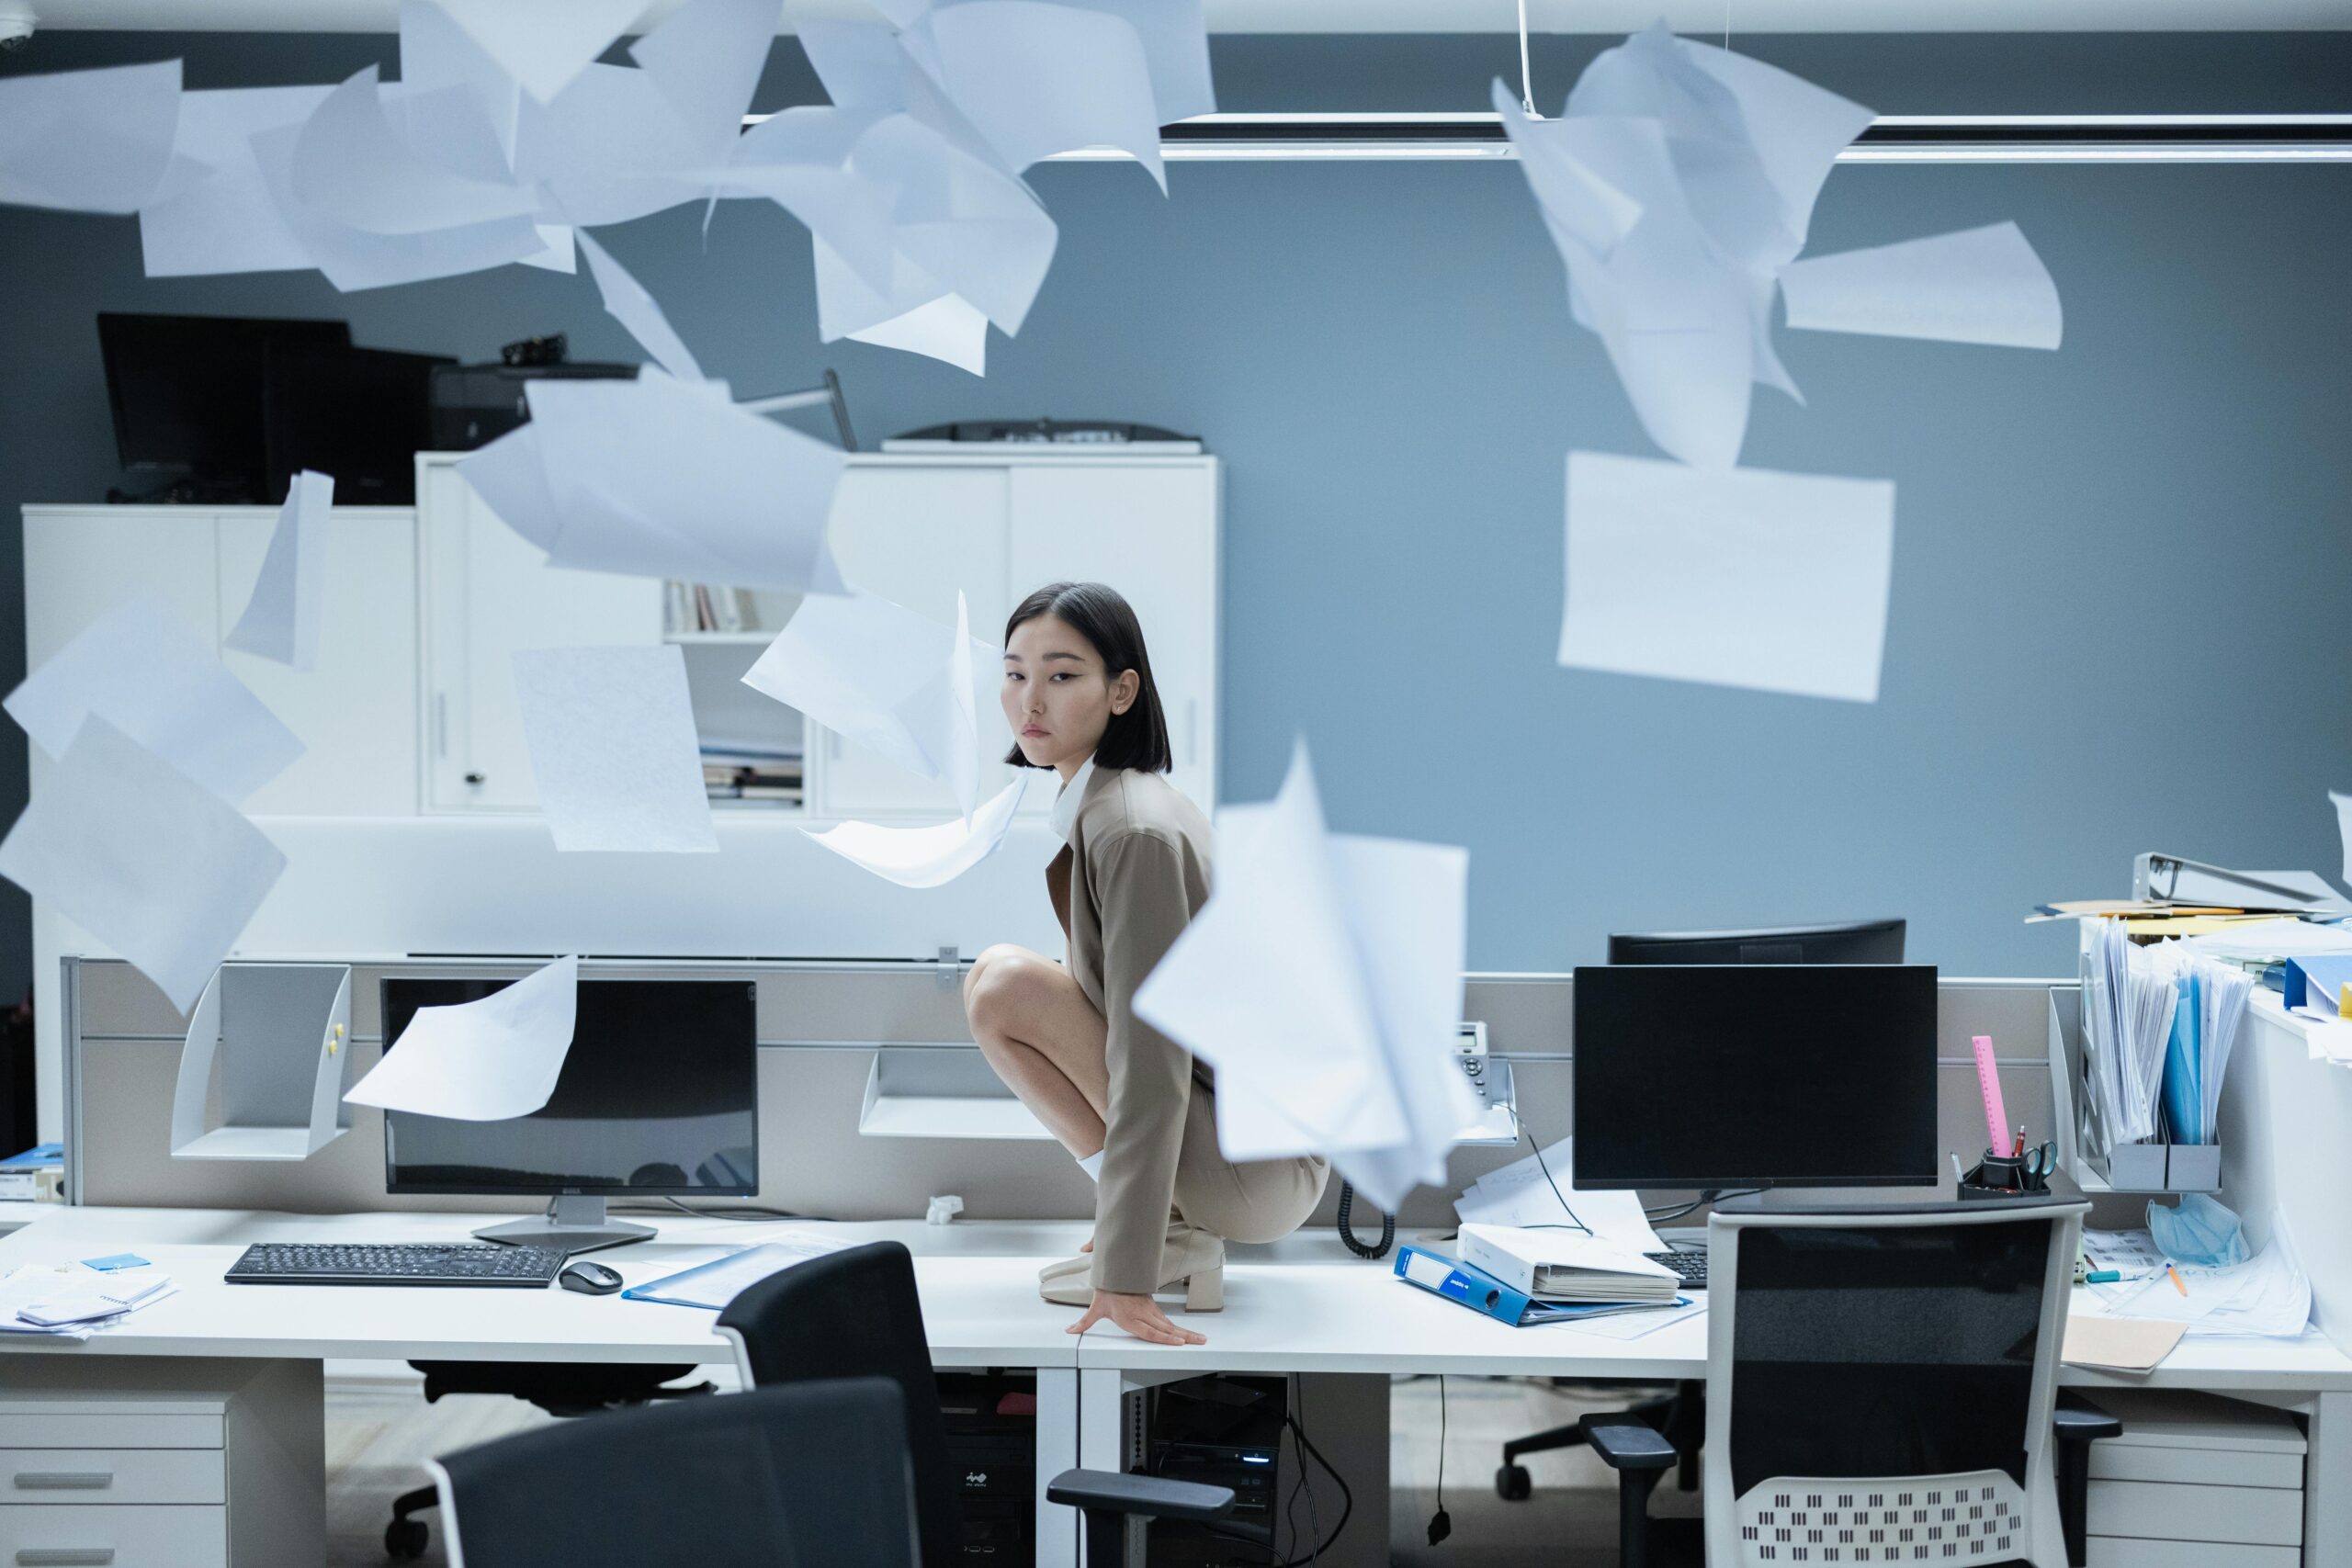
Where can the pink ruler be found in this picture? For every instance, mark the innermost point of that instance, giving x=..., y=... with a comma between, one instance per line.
x=1999, y=1134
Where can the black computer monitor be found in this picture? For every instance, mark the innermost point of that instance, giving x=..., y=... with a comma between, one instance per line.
x=658, y=1098
x=1727, y=1075
x=361, y=414
x=186, y=395
x=1854, y=941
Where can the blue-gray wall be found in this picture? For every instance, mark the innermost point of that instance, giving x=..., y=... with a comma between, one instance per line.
x=2121, y=571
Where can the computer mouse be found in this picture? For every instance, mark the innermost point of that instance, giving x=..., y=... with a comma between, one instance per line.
x=590, y=1278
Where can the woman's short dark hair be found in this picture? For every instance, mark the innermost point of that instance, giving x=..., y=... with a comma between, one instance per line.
x=1138, y=738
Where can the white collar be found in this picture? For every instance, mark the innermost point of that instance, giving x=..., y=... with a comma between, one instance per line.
x=1065, y=817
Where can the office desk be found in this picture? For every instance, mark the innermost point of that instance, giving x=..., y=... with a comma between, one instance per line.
x=1302, y=1305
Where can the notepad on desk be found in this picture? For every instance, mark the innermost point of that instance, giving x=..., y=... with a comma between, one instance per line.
x=1563, y=1265
x=713, y=1285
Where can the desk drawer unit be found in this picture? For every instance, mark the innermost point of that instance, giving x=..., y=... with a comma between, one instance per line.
x=108, y=1536
x=2195, y=1481
x=124, y=1463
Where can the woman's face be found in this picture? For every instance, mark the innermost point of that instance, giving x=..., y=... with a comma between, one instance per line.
x=1058, y=696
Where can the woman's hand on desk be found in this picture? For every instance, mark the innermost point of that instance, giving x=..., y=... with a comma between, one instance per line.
x=1139, y=1315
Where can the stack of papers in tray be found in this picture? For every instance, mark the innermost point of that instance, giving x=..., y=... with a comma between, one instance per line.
x=713, y=1285
x=70, y=1302
x=1566, y=1265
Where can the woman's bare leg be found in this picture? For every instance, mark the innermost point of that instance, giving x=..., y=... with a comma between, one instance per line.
x=1045, y=1040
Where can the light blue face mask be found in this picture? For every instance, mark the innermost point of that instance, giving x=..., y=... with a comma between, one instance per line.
x=2199, y=1231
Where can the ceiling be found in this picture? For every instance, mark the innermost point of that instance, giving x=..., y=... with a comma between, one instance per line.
x=1700, y=16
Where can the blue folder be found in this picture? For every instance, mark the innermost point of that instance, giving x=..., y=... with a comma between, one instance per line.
x=1481, y=1292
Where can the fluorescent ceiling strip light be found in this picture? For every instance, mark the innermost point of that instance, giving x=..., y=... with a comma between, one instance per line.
x=1891, y=138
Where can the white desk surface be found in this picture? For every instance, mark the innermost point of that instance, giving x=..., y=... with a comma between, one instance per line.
x=1302, y=1305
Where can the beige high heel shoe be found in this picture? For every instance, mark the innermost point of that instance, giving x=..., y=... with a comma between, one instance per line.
x=1192, y=1259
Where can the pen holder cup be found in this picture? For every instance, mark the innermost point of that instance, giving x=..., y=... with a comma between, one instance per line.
x=2001, y=1176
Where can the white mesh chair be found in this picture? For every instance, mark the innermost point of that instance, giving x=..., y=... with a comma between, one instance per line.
x=1880, y=1390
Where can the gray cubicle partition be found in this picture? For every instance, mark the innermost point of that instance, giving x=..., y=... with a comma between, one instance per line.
x=821, y=1024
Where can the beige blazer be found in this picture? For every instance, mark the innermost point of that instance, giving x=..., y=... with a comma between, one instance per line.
x=1134, y=873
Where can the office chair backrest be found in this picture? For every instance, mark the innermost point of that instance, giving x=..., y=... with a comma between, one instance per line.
x=855, y=1315
x=1880, y=1381
x=811, y=1476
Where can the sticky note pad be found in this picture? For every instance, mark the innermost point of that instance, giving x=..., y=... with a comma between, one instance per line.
x=120, y=1260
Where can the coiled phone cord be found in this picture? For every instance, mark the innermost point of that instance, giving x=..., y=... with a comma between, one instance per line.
x=1347, y=1235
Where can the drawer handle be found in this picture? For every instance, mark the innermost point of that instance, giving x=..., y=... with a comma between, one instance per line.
x=64, y=1480
x=64, y=1556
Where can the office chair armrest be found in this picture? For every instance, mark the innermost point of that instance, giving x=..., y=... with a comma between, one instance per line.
x=1149, y=1496
x=1626, y=1442
x=2077, y=1420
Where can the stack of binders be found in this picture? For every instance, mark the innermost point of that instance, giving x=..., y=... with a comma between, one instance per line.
x=1532, y=1277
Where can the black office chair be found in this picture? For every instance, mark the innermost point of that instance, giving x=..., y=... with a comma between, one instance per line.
x=855, y=1315
x=1882, y=1388
x=560, y=1388
x=816, y=1474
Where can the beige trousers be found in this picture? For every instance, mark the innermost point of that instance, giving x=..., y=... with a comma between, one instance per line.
x=1258, y=1200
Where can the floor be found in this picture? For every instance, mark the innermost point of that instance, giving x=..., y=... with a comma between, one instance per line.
x=378, y=1434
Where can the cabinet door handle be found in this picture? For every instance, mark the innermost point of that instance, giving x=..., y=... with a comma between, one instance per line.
x=441, y=724
x=477, y=778
x=64, y=1480
x=64, y=1556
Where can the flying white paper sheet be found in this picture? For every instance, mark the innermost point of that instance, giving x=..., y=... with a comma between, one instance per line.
x=883, y=677
x=88, y=141
x=928, y=857
x=486, y=1061
x=628, y=302
x=349, y=165
x=1976, y=285
x=607, y=149
x=662, y=478
x=437, y=55
x=2343, y=804
x=611, y=732
x=706, y=58
x=151, y=862
x=543, y=44
x=1036, y=79
x=1323, y=982
x=947, y=329
x=1745, y=578
x=288, y=607
x=224, y=220
x=145, y=670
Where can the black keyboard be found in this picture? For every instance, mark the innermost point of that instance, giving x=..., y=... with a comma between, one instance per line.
x=1691, y=1265
x=401, y=1263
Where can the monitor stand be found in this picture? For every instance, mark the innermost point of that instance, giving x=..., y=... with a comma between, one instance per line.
x=575, y=1223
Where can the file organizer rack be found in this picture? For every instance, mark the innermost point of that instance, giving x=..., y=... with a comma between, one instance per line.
x=279, y=1035
x=2084, y=1149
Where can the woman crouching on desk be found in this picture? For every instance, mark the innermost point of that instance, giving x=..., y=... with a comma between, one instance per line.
x=1132, y=1107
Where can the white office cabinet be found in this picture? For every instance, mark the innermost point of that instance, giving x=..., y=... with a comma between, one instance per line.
x=81, y=560
x=917, y=535
x=162, y=1463
x=485, y=592
x=2195, y=1481
x=1148, y=530
x=356, y=710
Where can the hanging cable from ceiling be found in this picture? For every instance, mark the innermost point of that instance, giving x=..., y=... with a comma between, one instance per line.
x=1526, y=84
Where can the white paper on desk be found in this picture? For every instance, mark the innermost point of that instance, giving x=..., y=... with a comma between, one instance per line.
x=627, y=302
x=1036, y=79
x=150, y=862
x=484, y=1061
x=2270, y=940
x=2343, y=804
x=1745, y=577
x=88, y=141
x=611, y=732
x=224, y=218
x=288, y=607
x=145, y=670
x=1322, y=981
x=928, y=857
x=1622, y=1326
x=1522, y=1194
x=662, y=478
x=884, y=678
x=348, y=166
x=544, y=44
x=353, y=259
x=1976, y=285
x=713, y=1285
x=84, y=1300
